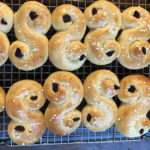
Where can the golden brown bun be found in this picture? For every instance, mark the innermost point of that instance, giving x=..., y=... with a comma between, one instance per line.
x=6, y=23
x=133, y=117
x=2, y=99
x=99, y=88
x=23, y=101
x=104, y=20
x=65, y=92
x=66, y=52
x=135, y=50
x=31, y=22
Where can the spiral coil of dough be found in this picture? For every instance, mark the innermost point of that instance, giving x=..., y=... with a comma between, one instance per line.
x=65, y=92
x=31, y=22
x=6, y=23
x=104, y=20
x=134, y=114
x=23, y=101
x=2, y=99
x=101, y=111
x=135, y=48
x=66, y=52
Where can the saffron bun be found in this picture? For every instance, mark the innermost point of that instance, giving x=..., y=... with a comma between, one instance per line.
x=31, y=22
x=104, y=21
x=6, y=23
x=66, y=52
x=64, y=90
x=23, y=101
x=135, y=48
x=100, y=113
x=134, y=113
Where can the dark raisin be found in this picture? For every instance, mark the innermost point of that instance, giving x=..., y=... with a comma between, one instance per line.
x=141, y=131
x=148, y=115
x=76, y=119
x=94, y=11
x=110, y=53
x=19, y=128
x=55, y=87
x=18, y=53
x=116, y=87
x=148, y=40
x=119, y=32
x=131, y=89
x=66, y=18
x=3, y=21
x=82, y=57
x=33, y=15
x=136, y=14
x=89, y=117
x=144, y=50
x=34, y=98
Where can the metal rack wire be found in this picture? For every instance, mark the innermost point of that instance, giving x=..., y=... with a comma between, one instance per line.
x=9, y=75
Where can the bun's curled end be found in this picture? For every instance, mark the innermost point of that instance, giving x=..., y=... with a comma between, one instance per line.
x=133, y=120
x=134, y=89
x=6, y=18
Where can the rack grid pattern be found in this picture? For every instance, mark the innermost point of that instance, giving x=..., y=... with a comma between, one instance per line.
x=9, y=75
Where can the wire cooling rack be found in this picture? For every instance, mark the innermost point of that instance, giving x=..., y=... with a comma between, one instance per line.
x=9, y=75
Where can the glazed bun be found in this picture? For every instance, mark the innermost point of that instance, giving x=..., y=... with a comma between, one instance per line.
x=31, y=22
x=134, y=113
x=104, y=20
x=100, y=113
x=65, y=92
x=66, y=52
x=6, y=23
x=23, y=101
x=135, y=48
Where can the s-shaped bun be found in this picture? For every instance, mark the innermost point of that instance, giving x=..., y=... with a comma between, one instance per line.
x=100, y=113
x=134, y=113
x=65, y=92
